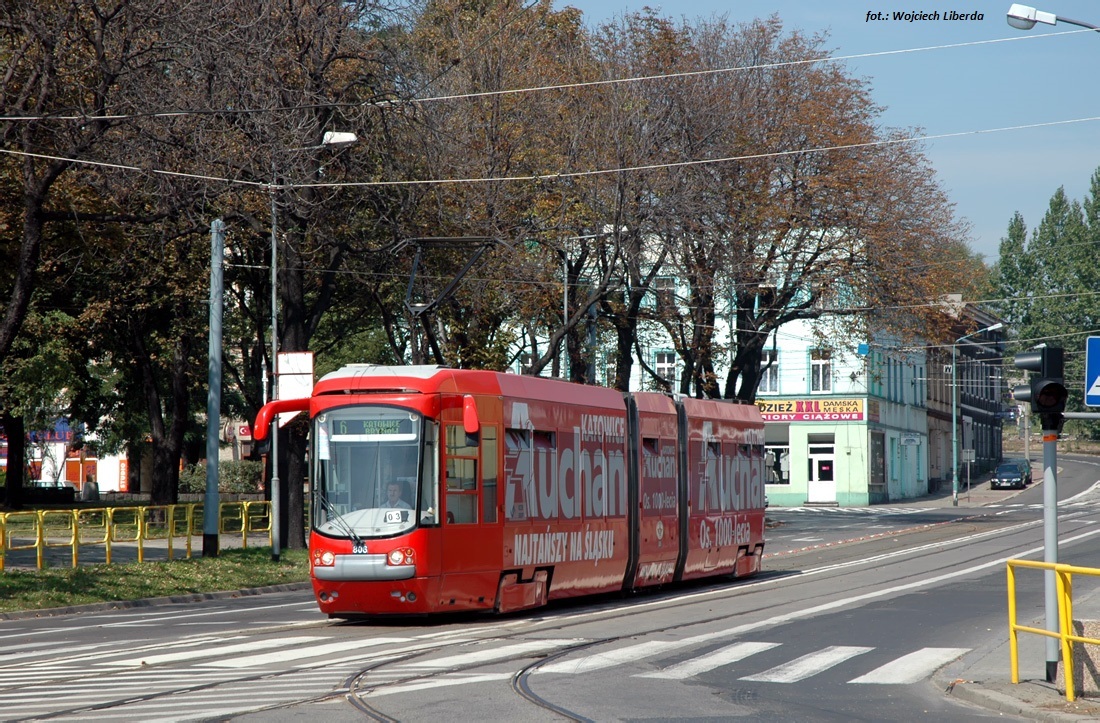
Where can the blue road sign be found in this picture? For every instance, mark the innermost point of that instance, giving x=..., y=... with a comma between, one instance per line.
x=1092, y=372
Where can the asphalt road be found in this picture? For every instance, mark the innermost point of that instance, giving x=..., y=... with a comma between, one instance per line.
x=856, y=612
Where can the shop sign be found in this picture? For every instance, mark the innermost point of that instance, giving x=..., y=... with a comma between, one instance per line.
x=811, y=410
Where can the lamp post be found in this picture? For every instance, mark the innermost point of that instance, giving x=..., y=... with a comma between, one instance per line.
x=954, y=411
x=330, y=139
x=1024, y=17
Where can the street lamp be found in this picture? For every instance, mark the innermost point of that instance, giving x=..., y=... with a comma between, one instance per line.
x=333, y=139
x=954, y=411
x=1024, y=17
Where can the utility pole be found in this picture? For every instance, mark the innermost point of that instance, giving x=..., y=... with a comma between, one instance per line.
x=211, y=503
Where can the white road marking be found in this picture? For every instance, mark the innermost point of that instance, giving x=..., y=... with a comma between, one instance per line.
x=611, y=658
x=912, y=667
x=492, y=654
x=210, y=652
x=282, y=656
x=808, y=665
x=706, y=663
x=440, y=682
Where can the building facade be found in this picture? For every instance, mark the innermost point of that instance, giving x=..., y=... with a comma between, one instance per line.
x=862, y=423
x=843, y=426
x=967, y=388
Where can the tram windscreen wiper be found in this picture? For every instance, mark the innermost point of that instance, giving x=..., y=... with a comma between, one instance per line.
x=337, y=519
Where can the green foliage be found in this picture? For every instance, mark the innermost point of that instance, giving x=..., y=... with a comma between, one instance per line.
x=234, y=477
x=38, y=374
x=1045, y=286
x=368, y=346
x=234, y=569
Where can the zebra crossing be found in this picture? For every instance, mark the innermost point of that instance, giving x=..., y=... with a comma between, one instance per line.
x=868, y=511
x=208, y=678
x=885, y=511
x=904, y=669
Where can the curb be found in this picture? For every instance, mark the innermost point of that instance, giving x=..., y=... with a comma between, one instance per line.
x=1027, y=699
x=154, y=601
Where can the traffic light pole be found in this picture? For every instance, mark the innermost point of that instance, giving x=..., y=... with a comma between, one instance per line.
x=1050, y=537
x=1046, y=393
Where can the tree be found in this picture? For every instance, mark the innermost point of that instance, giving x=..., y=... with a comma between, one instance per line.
x=480, y=129
x=806, y=210
x=1044, y=284
x=305, y=68
x=64, y=63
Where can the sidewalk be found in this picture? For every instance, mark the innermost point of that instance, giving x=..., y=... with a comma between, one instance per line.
x=975, y=494
x=983, y=677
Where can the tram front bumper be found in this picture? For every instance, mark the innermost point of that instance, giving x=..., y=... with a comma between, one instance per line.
x=356, y=568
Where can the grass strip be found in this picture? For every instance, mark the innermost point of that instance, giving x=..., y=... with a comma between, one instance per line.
x=232, y=569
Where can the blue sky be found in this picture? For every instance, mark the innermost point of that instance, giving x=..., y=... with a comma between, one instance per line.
x=1041, y=76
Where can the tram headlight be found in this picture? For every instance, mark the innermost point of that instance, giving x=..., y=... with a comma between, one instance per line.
x=323, y=558
x=402, y=556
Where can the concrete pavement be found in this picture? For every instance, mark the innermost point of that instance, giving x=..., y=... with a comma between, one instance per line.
x=983, y=677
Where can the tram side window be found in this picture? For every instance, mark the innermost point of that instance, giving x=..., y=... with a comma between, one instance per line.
x=489, y=474
x=429, y=478
x=462, y=477
x=710, y=500
x=517, y=445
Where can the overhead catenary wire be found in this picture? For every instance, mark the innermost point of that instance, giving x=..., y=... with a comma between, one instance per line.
x=527, y=178
x=83, y=117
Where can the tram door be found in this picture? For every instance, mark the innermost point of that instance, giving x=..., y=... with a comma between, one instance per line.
x=822, y=481
x=469, y=490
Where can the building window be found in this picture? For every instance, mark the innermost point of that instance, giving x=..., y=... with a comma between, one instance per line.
x=821, y=371
x=609, y=369
x=825, y=296
x=777, y=465
x=665, y=290
x=666, y=366
x=769, y=371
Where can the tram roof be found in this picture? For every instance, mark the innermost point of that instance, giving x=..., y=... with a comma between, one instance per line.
x=427, y=379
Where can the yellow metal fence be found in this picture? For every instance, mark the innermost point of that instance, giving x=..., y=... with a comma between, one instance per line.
x=168, y=527
x=1064, y=586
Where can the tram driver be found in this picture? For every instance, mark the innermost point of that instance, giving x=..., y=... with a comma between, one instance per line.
x=394, y=499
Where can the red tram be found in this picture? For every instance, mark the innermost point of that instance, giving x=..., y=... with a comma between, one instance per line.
x=438, y=489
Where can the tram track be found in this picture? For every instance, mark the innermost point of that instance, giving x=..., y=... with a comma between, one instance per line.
x=359, y=684
x=569, y=619
x=521, y=683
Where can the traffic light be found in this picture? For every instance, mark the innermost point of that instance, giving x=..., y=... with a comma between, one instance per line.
x=1047, y=390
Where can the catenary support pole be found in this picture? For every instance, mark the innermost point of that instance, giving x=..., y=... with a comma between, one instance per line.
x=211, y=502
x=276, y=490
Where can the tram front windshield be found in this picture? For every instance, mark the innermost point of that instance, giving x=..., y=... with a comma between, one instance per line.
x=367, y=461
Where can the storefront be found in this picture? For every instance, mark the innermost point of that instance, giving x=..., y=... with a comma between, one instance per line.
x=845, y=452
